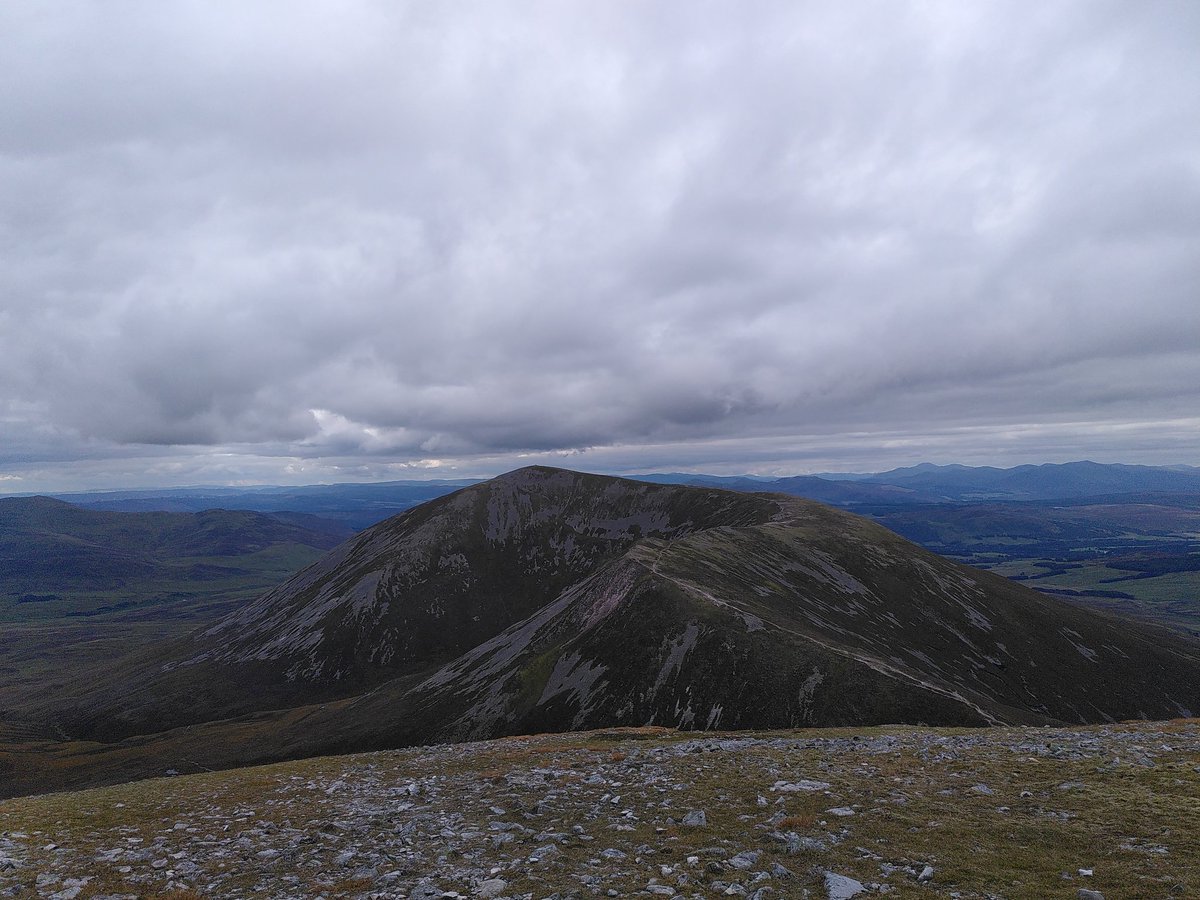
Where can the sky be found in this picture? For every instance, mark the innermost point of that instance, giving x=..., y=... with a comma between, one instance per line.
x=294, y=242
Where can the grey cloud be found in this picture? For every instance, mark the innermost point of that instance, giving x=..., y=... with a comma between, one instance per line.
x=361, y=235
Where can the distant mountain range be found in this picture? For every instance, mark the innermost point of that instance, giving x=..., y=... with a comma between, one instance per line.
x=49, y=546
x=78, y=586
x=355, y=505
x=361, y=505
x=928, y=483
x=548, y=600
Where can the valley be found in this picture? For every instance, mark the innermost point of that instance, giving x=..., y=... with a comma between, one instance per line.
x=79, y=589
x=1137, y=557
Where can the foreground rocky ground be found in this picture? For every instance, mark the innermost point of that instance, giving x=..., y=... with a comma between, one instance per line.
x=1023, y=812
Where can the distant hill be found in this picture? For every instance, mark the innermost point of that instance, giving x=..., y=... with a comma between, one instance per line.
x=57, y=559
x=1045, y=482
x=354, y=505
x=79, y=588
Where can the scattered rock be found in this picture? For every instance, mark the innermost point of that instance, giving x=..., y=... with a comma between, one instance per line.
x=525, y=828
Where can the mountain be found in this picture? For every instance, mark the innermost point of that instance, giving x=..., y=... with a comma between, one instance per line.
x=547, y=600
x=1117, y=538
x=415, y=592
x=1044, y=482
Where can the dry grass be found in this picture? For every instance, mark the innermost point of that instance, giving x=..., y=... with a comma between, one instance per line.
x=797, y=823
x=1044, y=818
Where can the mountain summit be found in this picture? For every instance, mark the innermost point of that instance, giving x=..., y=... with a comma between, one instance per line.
x=548, y=600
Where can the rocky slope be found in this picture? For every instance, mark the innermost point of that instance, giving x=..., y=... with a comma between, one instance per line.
x=997, y=812
x=547, y=600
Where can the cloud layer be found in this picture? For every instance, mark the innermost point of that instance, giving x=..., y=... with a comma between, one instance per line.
x=354, y=238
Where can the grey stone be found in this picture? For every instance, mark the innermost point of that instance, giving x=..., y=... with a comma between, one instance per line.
x=493, y=887
x=842, y=887
x=744, y=860
x=70, y=889
x=804, y=784
x=542, y=854
x=797, y=843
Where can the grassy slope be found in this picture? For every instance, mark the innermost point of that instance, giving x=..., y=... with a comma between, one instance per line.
x=1117, y=799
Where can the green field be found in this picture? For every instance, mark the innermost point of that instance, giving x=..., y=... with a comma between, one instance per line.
x=1138, y=559
x=1172, y=599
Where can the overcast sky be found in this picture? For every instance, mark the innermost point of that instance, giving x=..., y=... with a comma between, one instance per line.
x=296, y=242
